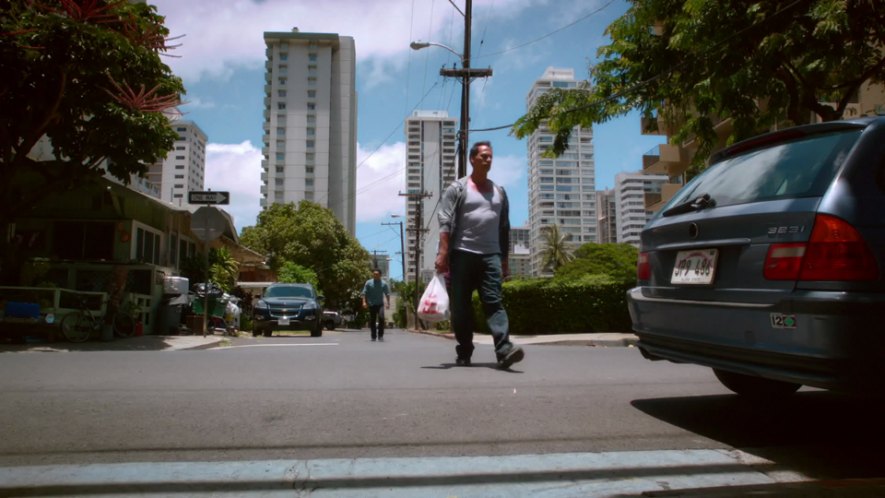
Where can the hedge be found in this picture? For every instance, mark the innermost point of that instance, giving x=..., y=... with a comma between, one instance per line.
x=594, y=303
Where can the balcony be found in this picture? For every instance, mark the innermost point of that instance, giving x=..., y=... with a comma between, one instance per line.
x=668, y=190
x=665, y=159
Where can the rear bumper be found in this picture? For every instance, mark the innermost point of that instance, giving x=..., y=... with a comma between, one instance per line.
x=836, y=343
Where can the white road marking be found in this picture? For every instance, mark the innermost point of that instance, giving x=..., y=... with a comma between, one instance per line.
x=275, y=346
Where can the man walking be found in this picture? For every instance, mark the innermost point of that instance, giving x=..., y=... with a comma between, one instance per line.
x=374, y=294
x=474, y=239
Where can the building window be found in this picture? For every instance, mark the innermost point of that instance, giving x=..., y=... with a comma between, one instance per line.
x=281, y=131
x=308, y=183
x=179, y=177
x=282, y=80
x=283, y=69
x=281, y=106
x=311, y=94
x=281, y=93
x=311, y=106
x=312, y=57
x=281, y=156
x=311, y=144
x=147, y=245
x=308, y=170
x=279, y=169
x=284, y=56
x=311, y=132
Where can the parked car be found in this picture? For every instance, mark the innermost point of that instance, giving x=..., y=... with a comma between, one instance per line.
x=331, y=319
x=768, y=266
x=286, y=306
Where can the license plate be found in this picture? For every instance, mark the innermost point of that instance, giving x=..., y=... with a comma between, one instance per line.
x=695, y=267
x=283, y=321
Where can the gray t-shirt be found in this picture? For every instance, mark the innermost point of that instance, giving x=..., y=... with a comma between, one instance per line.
x=478, y=221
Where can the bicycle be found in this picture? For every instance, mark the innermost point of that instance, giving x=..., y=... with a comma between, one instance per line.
x=80, y=324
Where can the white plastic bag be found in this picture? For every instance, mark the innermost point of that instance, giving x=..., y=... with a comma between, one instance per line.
x=434, y=304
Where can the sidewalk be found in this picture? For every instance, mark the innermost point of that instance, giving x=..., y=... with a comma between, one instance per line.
x=141, y=343
x=186, y=342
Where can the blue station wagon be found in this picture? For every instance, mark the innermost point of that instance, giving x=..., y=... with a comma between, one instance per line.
x=768, y=266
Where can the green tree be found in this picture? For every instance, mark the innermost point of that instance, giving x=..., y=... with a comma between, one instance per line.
x=294, y=273
x=615, y=260
x=87, y=75
x=556, y=251
x=694, y=62
x=223, y=268
x=309, y=235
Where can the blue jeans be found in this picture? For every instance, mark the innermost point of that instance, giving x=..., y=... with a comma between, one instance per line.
x=482, y=272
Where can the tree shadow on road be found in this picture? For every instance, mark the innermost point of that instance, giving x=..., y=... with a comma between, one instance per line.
x=820, y=434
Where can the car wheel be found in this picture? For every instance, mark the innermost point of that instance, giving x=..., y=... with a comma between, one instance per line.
x=268, y=332
x=317, y=331
x=330, y=325
x=755, y=387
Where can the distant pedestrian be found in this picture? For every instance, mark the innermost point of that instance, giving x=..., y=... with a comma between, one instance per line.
x=474, y=239
x=374, y=294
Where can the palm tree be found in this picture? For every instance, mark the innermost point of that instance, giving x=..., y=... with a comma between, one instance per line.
x=223, y=269
x=556, y=252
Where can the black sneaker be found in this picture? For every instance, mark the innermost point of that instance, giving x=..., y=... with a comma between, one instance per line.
x=515, y=355
x=462, y=362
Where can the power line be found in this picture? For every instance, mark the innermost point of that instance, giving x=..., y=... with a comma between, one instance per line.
x=548, y=35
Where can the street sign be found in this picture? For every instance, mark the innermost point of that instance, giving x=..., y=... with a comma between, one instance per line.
x=209, y=197
x=208, y=223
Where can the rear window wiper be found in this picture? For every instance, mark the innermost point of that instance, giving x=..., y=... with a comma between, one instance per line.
x=695, y=204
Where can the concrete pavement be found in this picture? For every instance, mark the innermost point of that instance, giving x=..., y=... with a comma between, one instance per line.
x=188, y=342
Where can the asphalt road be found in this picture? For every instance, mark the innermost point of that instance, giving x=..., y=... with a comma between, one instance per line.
x=341, y=396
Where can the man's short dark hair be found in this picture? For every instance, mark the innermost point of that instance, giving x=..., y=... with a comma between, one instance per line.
x=475, y=149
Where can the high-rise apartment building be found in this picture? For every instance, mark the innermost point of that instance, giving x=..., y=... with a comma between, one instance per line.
x=606, y=214
x=520, y=256
x=310, y=122
x=430, y=167
x=633, y=193
x=562, y=191
x=184, y=167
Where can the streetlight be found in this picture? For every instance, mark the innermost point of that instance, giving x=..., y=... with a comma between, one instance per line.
x=465, y=73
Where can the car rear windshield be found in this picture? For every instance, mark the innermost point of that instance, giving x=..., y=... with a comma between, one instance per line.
x=287, y=291
x=798, y=168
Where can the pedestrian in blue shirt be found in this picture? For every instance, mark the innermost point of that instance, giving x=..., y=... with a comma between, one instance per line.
x=374, y=294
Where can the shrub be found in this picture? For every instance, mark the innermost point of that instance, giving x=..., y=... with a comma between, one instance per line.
x=592, y=303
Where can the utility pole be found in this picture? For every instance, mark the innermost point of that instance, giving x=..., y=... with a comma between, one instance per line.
x=465, y=73
x=402, y=245
x=418, y=197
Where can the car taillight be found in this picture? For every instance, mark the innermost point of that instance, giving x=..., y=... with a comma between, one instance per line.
x=835, y=251
x=643, y=267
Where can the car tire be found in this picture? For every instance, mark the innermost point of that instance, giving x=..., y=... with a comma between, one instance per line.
x=268, y=332
x=330, y=325
x=317, y=331
x=755, y=387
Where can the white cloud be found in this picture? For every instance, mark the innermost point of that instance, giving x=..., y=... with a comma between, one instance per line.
x=380, y=177
x=236, y=168
x=509, y=171
x=218, y=36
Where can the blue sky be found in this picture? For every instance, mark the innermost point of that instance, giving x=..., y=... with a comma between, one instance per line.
x=221, y=56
